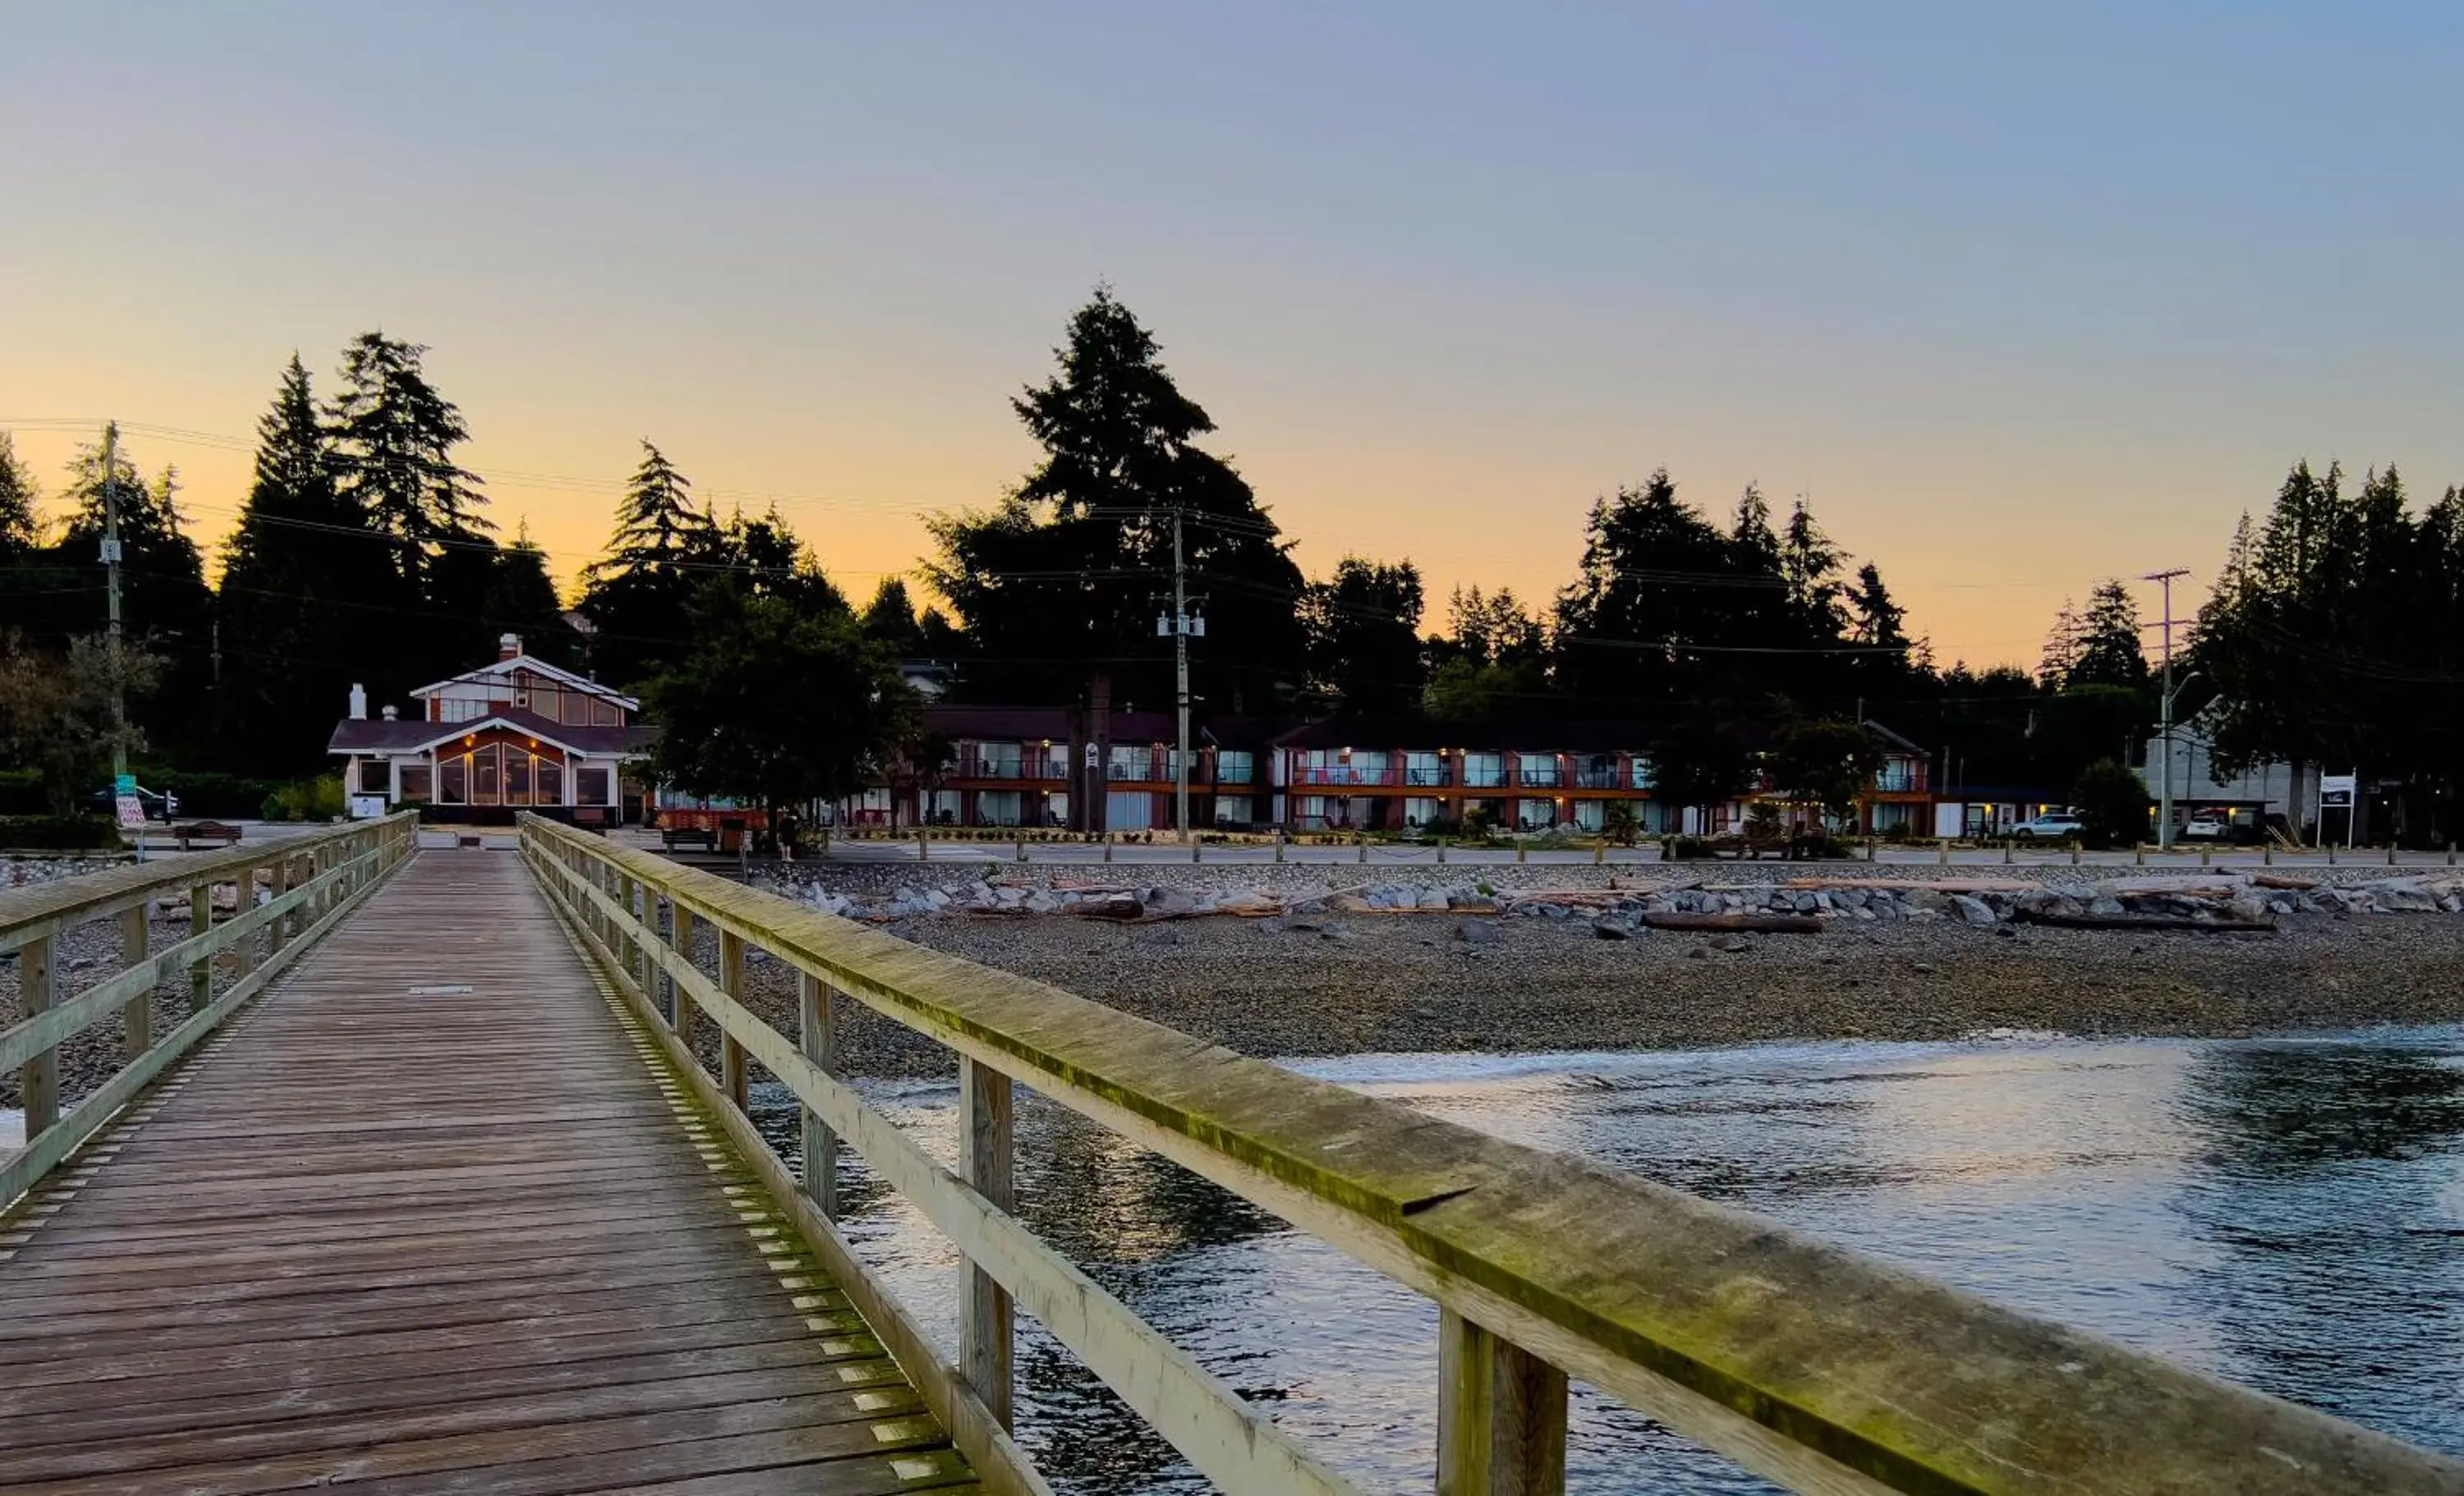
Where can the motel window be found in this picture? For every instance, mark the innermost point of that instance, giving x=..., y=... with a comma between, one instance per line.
x=376, y=777
x=1640, y=763
x=1235, y=766
x=590, y=787
x=1484, y=770
x=452, y=780
x=414, y=781
x=551, y=783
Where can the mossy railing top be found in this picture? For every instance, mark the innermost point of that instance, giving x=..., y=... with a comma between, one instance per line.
x=1815, y=1366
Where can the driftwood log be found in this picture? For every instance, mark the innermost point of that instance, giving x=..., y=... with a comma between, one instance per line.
x=2149, y=922
x=1751, y=924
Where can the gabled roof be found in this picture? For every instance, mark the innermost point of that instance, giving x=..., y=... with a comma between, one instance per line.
x=358, y=734
x=538, y=666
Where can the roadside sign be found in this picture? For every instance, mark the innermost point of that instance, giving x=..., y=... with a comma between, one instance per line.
x=2337, y=784
x=123, y=783
x=1094, y=756
x=131, y=812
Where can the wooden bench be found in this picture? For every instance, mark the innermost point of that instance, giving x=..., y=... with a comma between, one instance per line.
x=672, y=837
x=211, y=833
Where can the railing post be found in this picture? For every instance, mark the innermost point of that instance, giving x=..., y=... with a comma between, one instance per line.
x=137, y=1019
x=816, y=1038
x=731, y=982
x=201, y=972
x=38, y=1079
x=1500, y=1416
x=984, y=1319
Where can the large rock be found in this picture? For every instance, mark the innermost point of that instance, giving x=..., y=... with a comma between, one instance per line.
x=2404, y=895
x=1479, y=932
x=1926, y=900
x=1975, y=910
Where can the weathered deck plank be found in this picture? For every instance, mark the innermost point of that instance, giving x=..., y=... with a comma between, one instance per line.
x=438, y=1241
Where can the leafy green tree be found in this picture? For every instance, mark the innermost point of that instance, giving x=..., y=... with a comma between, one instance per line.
x=392, y=438
x=1363, y=631
x=774, y=704
x=1698, y=766
x=61, y=710
x=1824, y=764
x=1058, y=581
x=2112, y=801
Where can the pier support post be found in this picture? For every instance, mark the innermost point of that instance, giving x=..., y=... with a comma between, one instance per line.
x=817, y=1039
x=137, y=1019
x=1500, y=1416
x=984, y=1318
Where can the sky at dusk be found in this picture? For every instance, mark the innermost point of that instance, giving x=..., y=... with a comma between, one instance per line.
x=2021, y=296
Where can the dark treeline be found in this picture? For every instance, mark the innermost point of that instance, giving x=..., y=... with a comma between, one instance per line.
x=365, y=554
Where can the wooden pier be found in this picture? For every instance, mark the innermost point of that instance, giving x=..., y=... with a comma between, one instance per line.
x=430, y=1217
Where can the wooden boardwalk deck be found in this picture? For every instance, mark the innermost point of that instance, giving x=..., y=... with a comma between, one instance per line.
x=424, y=1219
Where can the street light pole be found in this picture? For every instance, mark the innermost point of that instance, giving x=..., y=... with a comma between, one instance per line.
x=2165, y=711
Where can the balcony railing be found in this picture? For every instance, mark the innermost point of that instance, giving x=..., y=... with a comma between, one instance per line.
x=1428, y=779
x=1597, y=779
x=1340, y=774
x=1540, y=776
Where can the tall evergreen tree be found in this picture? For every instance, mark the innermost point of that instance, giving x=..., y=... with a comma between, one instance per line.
x=637, y=596
x=2109, y=651
x=1061, y=578
x=309, y=602
x=18, y=494
x=890, y=621
x=392, y=439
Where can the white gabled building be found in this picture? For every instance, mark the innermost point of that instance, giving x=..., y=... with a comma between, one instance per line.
x=518, y=734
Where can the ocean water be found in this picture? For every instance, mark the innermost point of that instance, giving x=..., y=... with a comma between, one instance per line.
x=2285, y=1213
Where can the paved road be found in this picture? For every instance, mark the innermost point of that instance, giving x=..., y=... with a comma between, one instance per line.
x=1079, y=853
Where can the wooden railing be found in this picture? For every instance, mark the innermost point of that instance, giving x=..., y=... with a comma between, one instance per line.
x=310, y=882
x=1820, y=1369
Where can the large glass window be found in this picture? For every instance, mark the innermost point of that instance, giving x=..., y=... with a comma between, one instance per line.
x=551, y=782
x=1539, y=769
x=518, y=777
x=1235, y=766
x=1423, y=769
x=414, y=783
x=1484, y=770
x=487, y=768
x=590, y=787
x=453, y=780
x=1129, y=762
x=376, y=777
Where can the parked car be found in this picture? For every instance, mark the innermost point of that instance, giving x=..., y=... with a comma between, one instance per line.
x=159, y=807
x=2207, y=825
x=2058, y=826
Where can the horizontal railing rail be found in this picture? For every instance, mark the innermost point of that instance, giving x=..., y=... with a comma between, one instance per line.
x=310, y=883
x=1813, y=1366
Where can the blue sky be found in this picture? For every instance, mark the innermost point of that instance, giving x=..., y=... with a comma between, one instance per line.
x=2021, y=296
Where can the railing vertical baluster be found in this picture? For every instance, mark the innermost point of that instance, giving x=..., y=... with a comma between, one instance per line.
x=680, y=934
x=38, y=1079
x=731, y=982
x=987, y=1154
x=817, y=1037
x=1500, y=1416
x=201, y=972
x=137, y=1019
x=278, y=933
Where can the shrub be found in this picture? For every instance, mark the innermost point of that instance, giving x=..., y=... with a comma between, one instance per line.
x=2112, y=801
x=1619, y=825
x=308, y=800
x=59, y=833
x=1686, y=849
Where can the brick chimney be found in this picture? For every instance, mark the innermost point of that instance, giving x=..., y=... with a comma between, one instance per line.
x=508, y=646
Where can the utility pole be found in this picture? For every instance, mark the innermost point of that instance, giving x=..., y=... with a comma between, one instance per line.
x=1181, y=627
x=111, y=572
x=2165, y=710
